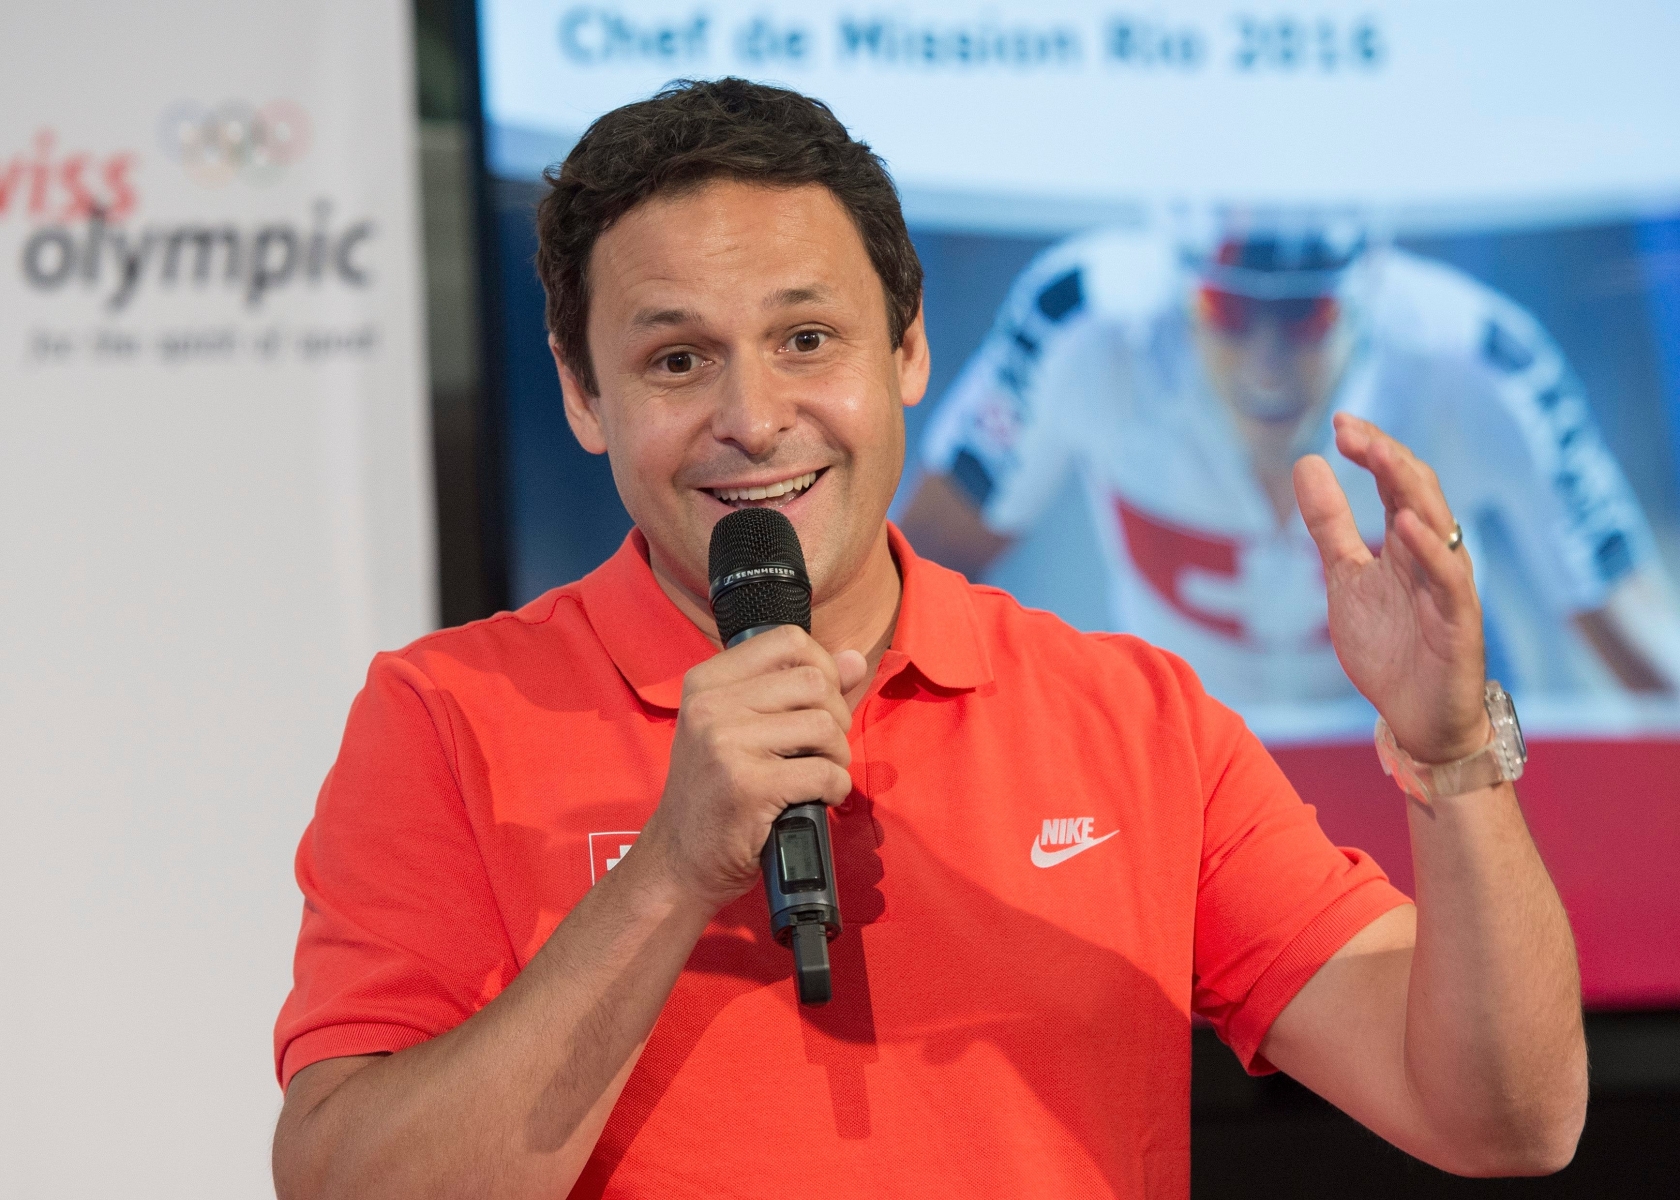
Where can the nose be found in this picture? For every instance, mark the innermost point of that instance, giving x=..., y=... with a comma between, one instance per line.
x=1266, y=350
x=755, y=409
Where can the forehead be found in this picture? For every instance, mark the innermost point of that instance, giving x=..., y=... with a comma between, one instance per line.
x=728, y=243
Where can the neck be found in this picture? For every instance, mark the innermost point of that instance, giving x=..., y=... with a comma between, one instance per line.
x=859, y=615
x=1275, y=445
x=1273, y=448
x=863, y=613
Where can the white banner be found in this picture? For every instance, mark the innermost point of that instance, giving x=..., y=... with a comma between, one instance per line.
x=215, y=506
x=1062, y=113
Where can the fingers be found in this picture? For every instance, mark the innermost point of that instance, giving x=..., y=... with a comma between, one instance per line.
x=795, y=689
x=761, y=726
x=776, y=696
x=804, y=734
x=852, y=667
x=802, y=780
x=1446, y=573
x=1417, y=512
x=1324, y=507
x=779, y=649
x=1403, y=480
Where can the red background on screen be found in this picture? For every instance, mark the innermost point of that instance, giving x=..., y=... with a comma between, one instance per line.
x=1606, y=816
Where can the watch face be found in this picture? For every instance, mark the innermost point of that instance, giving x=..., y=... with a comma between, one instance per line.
x=1502, y=709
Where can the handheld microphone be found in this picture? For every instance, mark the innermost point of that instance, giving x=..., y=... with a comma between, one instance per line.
x=759, y=582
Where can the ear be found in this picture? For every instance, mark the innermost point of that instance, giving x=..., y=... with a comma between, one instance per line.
x=582, y=412
x=914, y=361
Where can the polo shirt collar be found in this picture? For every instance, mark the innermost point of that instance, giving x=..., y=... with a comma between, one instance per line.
x=654, y=645
x=938, y=630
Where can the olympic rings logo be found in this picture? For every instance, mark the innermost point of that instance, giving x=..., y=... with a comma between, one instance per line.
x=235, y=139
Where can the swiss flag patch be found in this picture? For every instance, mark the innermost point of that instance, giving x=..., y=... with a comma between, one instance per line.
x=605, y=849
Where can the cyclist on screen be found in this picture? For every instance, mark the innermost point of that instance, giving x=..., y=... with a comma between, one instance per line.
x=1183, y=381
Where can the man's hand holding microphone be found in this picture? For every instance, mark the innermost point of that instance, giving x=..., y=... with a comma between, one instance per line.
x=762, y=726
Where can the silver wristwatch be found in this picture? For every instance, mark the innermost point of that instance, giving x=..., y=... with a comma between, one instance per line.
x=1500, y=760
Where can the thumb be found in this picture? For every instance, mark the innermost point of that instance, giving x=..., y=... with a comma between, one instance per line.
x=852, y=667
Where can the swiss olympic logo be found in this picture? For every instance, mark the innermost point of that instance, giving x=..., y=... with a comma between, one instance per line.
x=235, y=140
x=607, y=850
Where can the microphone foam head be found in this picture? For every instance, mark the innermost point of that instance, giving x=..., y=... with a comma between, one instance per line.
x=758, y=574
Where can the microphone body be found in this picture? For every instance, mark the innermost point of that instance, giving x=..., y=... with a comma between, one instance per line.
x=757, y=570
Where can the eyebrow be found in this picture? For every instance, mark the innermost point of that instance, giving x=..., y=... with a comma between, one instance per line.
x=658, y=318
x=787, y=297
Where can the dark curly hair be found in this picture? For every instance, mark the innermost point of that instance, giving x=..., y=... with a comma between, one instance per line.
x=693, y=132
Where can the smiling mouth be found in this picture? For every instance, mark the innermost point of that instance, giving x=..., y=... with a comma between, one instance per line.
x=770, y=495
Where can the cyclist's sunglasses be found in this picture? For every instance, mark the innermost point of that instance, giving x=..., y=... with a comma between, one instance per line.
x=1303, y=320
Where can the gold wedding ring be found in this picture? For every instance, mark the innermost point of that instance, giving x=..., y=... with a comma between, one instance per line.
x=1456, y=539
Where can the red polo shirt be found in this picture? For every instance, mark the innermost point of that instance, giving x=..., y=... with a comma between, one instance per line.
x=1057, y=849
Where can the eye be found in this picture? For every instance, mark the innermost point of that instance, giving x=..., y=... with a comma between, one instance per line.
x=681, y=363
x=807, y=340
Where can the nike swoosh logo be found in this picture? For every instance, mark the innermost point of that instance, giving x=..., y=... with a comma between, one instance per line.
x=1049, y=858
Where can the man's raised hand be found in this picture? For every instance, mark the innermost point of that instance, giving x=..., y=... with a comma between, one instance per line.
x=1406, y=624
x=762, y=726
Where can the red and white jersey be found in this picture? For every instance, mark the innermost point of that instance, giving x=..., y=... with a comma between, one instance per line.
x=1091, y=367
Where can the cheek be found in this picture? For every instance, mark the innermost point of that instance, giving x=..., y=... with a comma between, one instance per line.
x=1312, y=366
x=1221, y=359
x=860, y=411
x=647, y=439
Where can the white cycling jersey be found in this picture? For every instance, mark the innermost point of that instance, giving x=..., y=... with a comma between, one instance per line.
x=1091, y=367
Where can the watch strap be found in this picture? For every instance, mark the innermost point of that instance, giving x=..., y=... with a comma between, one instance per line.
x=1500, y=760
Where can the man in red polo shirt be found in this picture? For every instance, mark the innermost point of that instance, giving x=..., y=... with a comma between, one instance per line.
x=534, y=961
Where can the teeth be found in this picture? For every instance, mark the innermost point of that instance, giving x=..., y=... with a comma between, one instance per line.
x=769, y=492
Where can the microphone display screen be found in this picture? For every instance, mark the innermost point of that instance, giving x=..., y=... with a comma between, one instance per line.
x=800, y=856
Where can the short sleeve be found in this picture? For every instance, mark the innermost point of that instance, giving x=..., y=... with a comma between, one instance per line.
x=401, y=938
x=1274, y=899
x=998, y=433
